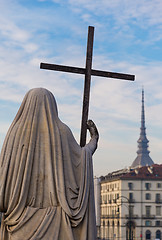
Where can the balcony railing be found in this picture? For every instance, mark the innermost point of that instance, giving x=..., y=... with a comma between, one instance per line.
x=112, y=216
x=158, y=200
x=132, y=216
x=131, y=200
x=148, y=216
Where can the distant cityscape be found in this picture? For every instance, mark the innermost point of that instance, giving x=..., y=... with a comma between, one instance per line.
x=129, y=201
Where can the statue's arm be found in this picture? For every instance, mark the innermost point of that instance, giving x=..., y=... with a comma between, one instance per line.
x=94, y=136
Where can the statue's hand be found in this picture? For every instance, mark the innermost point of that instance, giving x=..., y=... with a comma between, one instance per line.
x=92, y=129
x=94, y=136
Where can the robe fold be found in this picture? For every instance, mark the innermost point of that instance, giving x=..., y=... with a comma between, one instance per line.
x=46, y=178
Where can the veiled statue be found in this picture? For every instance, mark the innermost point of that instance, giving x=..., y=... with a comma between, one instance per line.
x=46, y=178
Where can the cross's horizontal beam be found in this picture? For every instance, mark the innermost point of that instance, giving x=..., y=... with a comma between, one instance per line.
x=79, y=70
x=123, y=76
x=62, y=68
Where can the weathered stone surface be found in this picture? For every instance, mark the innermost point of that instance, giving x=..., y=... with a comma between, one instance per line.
x=46, y=178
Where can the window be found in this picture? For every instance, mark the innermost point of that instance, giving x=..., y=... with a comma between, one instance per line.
x=158, y=234
x=104, y=211
x=157, y=223
x=118, y=210
x=130, y=196
x=148, y=211
x=131, y=210
x=158, y=185
x=104, y=198
x=131, y=200
x=158, y=210
x=113, y=212
x=148, y=234
x=148, y=223
x=157, y=197
x=148, y=196
x=147, y=186
x=130, y=186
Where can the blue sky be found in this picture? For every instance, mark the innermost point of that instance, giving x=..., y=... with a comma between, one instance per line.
x=128, y=38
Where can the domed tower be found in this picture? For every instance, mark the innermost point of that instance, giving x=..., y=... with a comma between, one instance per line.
x=143, y=158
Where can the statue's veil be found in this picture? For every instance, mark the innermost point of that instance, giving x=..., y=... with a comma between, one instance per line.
x=43, y=170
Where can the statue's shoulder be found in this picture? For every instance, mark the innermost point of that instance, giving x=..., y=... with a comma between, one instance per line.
x=63, y=127
x=65, y=130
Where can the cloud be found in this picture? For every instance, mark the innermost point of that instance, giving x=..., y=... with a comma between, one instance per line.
x=121, y=19
x=139, y=10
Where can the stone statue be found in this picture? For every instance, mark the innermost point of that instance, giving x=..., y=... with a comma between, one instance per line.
x=46, y=178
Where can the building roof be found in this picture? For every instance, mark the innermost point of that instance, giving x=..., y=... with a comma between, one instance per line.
x=143, y=158
x=153, y=172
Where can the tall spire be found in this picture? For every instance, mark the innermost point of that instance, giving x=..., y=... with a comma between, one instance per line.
x=143, y=157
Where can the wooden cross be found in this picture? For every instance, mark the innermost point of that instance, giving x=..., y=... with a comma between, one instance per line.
x=88, y=72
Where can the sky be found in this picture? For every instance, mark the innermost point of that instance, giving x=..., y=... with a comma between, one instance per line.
x=127, y=39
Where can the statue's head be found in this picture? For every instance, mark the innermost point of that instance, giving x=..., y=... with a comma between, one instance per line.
x=40, y=98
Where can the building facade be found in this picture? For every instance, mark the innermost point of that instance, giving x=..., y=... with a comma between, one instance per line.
x=131, y=204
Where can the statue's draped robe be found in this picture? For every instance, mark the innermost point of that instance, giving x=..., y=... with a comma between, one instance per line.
x=46, y=179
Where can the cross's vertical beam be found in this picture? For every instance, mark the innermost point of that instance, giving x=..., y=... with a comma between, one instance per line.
x=87, y=84
x=88, y=71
